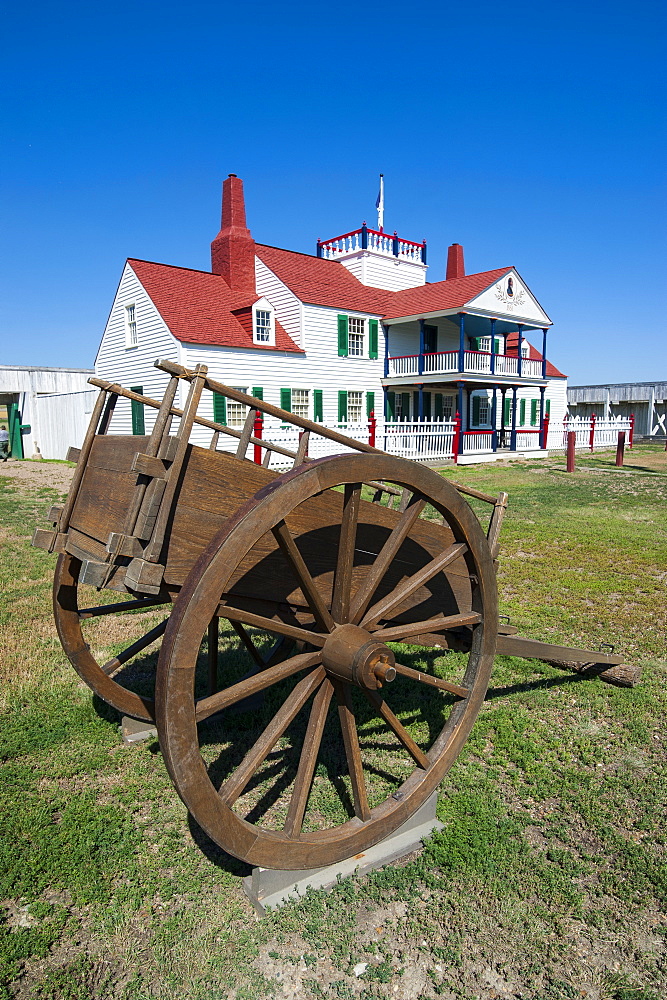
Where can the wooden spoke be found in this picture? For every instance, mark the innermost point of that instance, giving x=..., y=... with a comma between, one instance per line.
x=340, y=604
x=398, y=728
x=270, y=625
x=213, y=643
x=417, y=675
x=255, y=682
x=384, y=558
x=384, y=607
x=439, y=624
x=233, y=787
x=308, y=759
x=288, y=547
x=111, y=609
x=111, y=666
x=352, y=751
x=248, y=643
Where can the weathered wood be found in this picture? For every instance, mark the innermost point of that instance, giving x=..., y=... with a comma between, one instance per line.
x=620, y=675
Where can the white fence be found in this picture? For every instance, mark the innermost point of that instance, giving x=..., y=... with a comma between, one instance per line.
x=605, y=433
x=421, y=440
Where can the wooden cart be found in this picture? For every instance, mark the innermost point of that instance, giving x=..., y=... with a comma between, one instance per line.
x=355, y=566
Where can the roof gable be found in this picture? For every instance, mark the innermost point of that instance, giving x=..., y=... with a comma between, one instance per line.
x=441, y=295
x=510, y=298
x=199, y=307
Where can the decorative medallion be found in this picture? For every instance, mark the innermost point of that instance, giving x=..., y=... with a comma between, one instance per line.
x=509, y=295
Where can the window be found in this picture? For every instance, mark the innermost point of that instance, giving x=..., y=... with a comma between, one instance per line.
x=354, y=405
x=447, y=407
x=300, y=403
x=263, y=323
x=131, y=335
x=525, y=347
x=236, y=412
x=481, y=411
x=398, y=406
x=484, y=344
x=355, y=337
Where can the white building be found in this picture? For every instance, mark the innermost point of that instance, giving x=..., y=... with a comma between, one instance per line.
x=332, y=337
x=45, y=409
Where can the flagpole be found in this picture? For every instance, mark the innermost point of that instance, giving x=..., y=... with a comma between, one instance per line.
x=379, y=204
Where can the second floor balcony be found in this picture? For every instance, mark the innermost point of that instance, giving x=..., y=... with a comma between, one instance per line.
x=466, y=362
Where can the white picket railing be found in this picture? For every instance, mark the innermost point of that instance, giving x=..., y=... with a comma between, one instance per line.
x=420, y=440
x=605, y=434
x=478, y=362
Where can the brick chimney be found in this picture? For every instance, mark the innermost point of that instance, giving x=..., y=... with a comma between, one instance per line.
x=455, y=265
x=233, y=249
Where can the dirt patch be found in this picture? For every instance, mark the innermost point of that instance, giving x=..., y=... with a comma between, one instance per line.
x=55, y=475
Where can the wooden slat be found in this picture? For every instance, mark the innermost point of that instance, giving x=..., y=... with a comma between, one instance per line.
x=308, y=759
x=340, y=605
x=382, y=708
x=257, y=682
x=436, y=682
x=352, y=752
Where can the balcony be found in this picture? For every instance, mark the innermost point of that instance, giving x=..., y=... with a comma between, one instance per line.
x=474, y=363
x=372, y=239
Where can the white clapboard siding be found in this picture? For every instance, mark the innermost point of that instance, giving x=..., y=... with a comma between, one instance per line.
x=134, y=366
x=285, y=302
x=62, y=421
x=385, y=271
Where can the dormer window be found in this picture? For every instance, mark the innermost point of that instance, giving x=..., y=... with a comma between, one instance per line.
x=131, y=335
x=263, y=324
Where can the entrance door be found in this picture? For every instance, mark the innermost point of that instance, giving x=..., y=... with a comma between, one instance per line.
x=430, y=339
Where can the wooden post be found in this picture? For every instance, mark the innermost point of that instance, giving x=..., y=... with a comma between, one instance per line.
x=372, y=423
x=620, y=448
x=571, y=443
x=591, y=437
x=545, y=430
x=457, y=437
x=632, y=430
x=257, y=432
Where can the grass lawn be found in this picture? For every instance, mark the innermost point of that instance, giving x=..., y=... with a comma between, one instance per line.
x=547, y=883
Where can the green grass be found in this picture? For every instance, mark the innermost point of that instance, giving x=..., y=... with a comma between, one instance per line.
x=548, y=880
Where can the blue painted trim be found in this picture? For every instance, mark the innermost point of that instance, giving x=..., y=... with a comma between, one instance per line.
x=385, y=330
x=422, y=345
x=319, y=249
x=364, y=237
x=462, y=345
x=544, y=352
x=493, y=350
x=513, y=431
x=518, y=368
x=494, y=419
x=542, y=390
x=395, y=244
x=421, y=402
x=424, y=252
x=460, y=411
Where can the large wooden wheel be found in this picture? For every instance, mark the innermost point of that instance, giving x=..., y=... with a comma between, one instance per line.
x=133, y=626
x=327, y=768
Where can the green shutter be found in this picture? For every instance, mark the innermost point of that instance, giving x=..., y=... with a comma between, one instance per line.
x=258, y=392
x=342, y=338
x=547, y=406
x=370, y=403
x=286, y=400
x=475, y=410
x=522, y=411
x=415, y=405
x=318, y=406
x=372, y=338
x=14, y=429
x=439, y=408
x=496, y=346
x=427, y=405
x=507, y=412
x=138, y=425
x=534, y=403
x=220, y=408
x=391, y=406
x=342, y=405
x=405, y=400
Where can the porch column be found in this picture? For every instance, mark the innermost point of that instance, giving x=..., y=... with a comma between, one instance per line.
x=460, y=386
x=494, y=414
x=518, y=364
x=421, y=402
x=503, y=391
x=542, y=439
x=513, y=431
x=422, y=348
x=462, y=344
x=544, y=351
x=493, y=352
x=385, y=330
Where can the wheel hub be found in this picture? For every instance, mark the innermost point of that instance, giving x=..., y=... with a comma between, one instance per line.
x=352, y=654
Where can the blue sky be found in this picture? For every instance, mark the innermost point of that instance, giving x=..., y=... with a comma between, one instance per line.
x=533, y=134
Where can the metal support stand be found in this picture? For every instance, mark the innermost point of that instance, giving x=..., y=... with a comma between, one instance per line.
x=268, y=887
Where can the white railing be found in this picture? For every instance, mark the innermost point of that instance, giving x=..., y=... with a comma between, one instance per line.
x=420, y=440
x=505, y=365
x=477, y=442
x=527, y=440
x=407, y=365
x=318, y=447
x=441, y=361
x=605, y=434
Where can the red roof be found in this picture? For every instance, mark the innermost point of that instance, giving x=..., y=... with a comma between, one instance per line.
x=199, y=307
x=511, y=345
x=439, y=295
x=322, y=282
